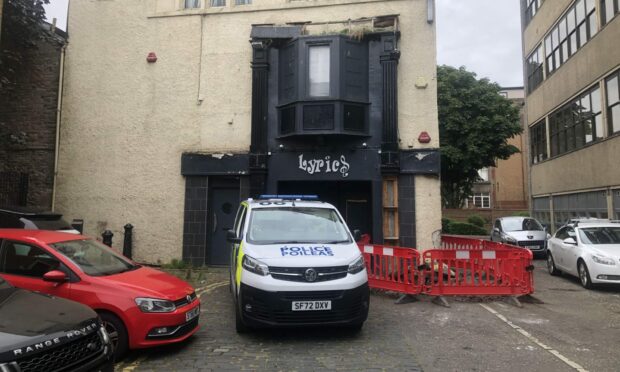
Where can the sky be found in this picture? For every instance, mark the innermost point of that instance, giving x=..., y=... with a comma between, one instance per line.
x=482, y=35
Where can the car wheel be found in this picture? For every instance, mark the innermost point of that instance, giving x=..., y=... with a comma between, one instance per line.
x=117, y=332
x=240, y=326
x=584, y=275
x=551, y=265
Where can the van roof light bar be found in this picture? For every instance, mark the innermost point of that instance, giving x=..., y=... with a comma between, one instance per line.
x=289, y=197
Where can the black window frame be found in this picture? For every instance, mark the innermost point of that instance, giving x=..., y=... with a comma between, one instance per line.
x=610, y=106
x=563, y=41
x=538, y=142
x=535, y=73
x=573, y=119
x=604, y=16
x=530, y=8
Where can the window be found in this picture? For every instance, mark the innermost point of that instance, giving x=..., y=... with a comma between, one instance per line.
x=538, y=142
x=243, y=2
x=579, y=205
x=613, y=102
x=192, y=4
x=215, y=3
x=535, y=69
x=541, y=210
x=609, y=9
x=572, y=32
x=577, y=124
x=27, y=260
x=318, y=73
x=531, y=8
x=482, y=200
x=483, y=174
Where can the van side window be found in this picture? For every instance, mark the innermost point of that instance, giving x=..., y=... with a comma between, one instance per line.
x=241, y=226
x=23, y=259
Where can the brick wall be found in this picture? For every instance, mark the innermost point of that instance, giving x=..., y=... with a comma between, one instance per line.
x=28, y=119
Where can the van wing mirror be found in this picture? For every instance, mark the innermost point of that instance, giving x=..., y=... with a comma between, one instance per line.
x=231, y=237
x=357, y=235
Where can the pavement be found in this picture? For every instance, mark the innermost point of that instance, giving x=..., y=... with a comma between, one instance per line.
x=572, y=329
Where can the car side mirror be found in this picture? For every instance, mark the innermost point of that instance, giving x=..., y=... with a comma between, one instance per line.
x=231, y=237
x=570, y=241
x=495, y=229
x=55, y=276
x=357, y=235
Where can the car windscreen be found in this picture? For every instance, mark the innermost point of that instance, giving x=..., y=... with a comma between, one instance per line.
x=46, y=224
x=518, y=224
x=93, y=258
x=296, y=225
x=600, y=235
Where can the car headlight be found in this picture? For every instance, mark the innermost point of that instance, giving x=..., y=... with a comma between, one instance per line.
x=603, y=260
x=510, y=239
x=255, y=266
x=154, y=305
x=356, y=266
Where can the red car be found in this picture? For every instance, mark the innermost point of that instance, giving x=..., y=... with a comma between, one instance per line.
x=140, y=306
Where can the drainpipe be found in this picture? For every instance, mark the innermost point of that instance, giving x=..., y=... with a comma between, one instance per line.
x=58, y=118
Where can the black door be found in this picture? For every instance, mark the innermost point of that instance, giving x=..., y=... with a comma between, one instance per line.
x=224, y=204
x=358, y=216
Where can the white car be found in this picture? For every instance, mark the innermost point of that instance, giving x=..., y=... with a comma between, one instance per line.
x=294, y=262
x=589, y=251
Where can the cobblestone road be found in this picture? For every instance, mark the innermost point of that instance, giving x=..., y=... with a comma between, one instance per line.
x=381, y=345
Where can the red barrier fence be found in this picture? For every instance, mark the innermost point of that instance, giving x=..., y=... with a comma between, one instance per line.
x=462, y=266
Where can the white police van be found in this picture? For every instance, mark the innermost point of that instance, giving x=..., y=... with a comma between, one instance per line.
x=294, y=262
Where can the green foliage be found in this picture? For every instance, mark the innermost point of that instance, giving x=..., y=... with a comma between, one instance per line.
x=445, y=225
x=21, y=28
x=476, y=220
x=176, y=265
x=475, y=123
x=461, y=228
x=522, y=214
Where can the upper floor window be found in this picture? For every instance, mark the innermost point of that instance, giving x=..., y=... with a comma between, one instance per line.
x=192, y=4
x=483, y=174
x=243, y=2
x=609, y=9
x=531, y=8
x=577, y=124
x=215, y=3
x=535, y=69
x=613, y=102
x=319, y=68
x=571, y=33
x=538, y=142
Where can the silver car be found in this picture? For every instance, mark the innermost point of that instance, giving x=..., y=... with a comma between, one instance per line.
x=524, y=232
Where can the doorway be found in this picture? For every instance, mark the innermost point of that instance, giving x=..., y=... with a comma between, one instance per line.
x=223, y=204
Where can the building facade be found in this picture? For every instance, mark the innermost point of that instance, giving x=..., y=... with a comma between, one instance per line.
x=505, y=186
x=571, y=67
x=174, y=111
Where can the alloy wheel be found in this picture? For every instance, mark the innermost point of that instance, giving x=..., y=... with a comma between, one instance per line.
x=112, y=333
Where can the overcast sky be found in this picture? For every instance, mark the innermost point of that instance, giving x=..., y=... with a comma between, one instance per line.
x=482, y=35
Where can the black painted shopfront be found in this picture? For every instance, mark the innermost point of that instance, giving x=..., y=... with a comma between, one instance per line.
x=324, y=122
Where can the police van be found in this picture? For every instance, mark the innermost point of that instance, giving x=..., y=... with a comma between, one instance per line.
x=294, y=262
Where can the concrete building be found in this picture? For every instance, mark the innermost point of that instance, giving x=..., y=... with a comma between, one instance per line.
x=571, y=67
x=504, y=188
x=175, y=110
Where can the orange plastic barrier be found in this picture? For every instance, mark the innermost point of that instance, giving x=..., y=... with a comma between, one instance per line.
x=467, y=267
x=392, y=268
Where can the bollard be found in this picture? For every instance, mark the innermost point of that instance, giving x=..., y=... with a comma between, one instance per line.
x=127, y=244
x=107, y=237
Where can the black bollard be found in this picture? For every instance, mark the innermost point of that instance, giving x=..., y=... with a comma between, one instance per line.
x=127, y=242
x=78, y=224
x=107, y=237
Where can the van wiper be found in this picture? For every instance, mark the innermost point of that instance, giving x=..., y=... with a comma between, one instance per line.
x=337, y=241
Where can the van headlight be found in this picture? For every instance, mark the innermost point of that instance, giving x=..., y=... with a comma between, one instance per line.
x=255, y=266
x=356, y=266
x=603, y=260
x=154, y=305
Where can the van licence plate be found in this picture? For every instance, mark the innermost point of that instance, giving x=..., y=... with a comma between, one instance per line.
x=192, y=313
x=311, y=305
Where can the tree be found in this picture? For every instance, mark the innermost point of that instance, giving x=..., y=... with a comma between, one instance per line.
x=21, y=28
x=475, y=123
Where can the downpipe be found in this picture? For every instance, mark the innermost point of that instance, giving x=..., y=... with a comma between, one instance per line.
x=61, y=79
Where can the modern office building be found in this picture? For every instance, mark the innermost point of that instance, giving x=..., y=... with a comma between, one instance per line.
x=173, y=111
x=571, y=67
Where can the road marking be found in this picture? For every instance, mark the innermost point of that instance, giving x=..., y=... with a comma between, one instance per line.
x=133, y=365
x=525, y=333
x=210, y=287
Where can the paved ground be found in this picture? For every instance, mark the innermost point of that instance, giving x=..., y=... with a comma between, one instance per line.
x=573, y=329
